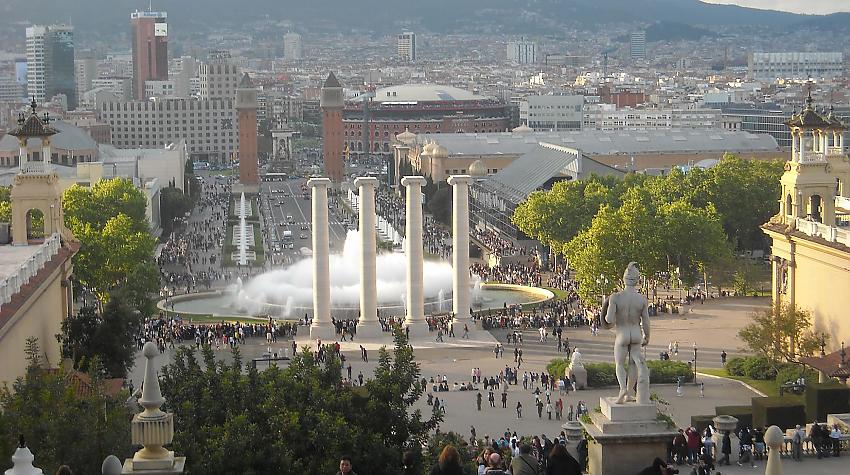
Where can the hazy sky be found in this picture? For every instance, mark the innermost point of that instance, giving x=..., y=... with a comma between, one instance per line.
x=797, y=6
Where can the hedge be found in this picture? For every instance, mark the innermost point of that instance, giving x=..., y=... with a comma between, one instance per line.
x=744, y=414
x=604, y=374
x=669, y=371
x=601, y=374
x=783, y=412
x=753, y=367
x=826, y=398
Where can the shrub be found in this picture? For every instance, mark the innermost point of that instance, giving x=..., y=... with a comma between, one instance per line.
x=735, y=366
x=669, y=371
x=826, y=398
x=600, y=374
x=753, y=367
x=557, y=367
x=784, y=412
x=759, y=367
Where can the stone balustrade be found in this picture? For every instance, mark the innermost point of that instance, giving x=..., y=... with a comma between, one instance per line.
x=12, y=284
x=33, y=167
x=816, y=229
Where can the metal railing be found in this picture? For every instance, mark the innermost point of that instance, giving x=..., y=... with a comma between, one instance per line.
x=11, y=284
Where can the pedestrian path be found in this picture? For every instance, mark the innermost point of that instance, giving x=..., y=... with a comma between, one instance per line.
x=600, y=348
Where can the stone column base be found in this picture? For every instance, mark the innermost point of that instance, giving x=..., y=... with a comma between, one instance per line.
x=417, y=330
x=369, y=330
x=177, y=467
x=325, y=331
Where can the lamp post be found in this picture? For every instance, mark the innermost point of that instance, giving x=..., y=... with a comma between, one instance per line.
x=695, y=362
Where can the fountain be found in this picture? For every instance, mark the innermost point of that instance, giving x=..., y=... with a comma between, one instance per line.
x=243, y=233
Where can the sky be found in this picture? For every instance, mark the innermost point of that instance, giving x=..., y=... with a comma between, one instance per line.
x=819, y=7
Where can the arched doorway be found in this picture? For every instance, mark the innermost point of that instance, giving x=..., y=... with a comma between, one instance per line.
x=35, y=224
x=815, y=206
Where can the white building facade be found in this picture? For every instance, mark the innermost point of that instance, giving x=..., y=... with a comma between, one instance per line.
x=553, y=113
x=406, y=46
x=795, y=65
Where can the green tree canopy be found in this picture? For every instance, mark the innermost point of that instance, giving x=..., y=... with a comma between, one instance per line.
x=781, y=334
x=301, y=417
x=107, y=339
x=116, y=248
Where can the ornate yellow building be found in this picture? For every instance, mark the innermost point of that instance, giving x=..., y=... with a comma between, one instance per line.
x=811, y=233
x=35, y=269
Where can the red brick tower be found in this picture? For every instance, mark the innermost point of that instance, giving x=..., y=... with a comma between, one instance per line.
x=246, y=106
x=331, y=104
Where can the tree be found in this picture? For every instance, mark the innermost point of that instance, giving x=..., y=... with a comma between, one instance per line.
x=172, y=204
x=781, y=333
x=116, y=249
x=108, y=339
x=222, y=409
x=62, y=423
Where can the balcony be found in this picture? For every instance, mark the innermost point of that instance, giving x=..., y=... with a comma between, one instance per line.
x=34, y=168
x=830, y=233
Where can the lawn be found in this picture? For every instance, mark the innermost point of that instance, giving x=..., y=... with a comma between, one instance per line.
x=768, y=387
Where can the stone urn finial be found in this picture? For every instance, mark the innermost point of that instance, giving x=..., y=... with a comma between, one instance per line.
x=22, y=460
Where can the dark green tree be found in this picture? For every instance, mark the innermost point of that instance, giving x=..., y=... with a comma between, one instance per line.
x=108, y=339
x=301, y=417
x=172, y=204
x=63, y=422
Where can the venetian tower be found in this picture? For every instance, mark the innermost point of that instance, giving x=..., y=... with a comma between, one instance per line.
x=246, y=107
x=331, y=104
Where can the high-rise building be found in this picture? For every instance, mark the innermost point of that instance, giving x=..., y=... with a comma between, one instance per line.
x=149, y=31
x=85, y=71
x=331, y=104
x=407, y=46
x=292, y=49
x=50, y=63
x=246, y=107
x=522, y=51
x=637, y=45
x=219, y=77
x=554, y=113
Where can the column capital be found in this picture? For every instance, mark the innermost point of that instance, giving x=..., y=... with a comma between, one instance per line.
x=315, y=182
x=459, y=180
x=366, y=181
x=413, y=181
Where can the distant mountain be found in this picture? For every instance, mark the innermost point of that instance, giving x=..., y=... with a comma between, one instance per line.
x=95, y=16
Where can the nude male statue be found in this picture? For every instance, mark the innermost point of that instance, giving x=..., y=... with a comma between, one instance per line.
x=628, y=312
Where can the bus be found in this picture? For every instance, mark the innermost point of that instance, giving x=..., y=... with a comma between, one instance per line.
x=275, y=177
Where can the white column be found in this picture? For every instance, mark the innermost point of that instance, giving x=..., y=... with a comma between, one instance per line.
x=460, y=246
x=22, y=153
x=415, y=321
x=46, y=153
x=322, y=326
x=368, y=326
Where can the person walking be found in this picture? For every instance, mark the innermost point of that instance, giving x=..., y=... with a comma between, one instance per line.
x=478, y=398
x=492, y=398
x=549, y=410
x=518, y=410
x=797, y=444
x=505, y=399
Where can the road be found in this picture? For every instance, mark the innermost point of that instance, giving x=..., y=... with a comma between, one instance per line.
x=283, y=200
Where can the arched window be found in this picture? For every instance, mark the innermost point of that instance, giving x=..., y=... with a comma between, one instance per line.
x=788, y=208
x=35, y=224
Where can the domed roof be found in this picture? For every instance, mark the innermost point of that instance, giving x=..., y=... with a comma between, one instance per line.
x=523, y=129
x=440, y=152
x=423, y=93
x=477, y=168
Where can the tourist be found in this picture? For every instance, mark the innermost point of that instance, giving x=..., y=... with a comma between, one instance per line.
x=478, y=399
x=658, y=467
x=560, y=462
x=797, y=443
x=835, y=438
x=345, y=467
x=525, y=463
x=448, y=463
x=518, y=410
x=725, y=448
x=495, y=465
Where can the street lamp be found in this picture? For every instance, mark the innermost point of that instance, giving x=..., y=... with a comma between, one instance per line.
x=695, y=362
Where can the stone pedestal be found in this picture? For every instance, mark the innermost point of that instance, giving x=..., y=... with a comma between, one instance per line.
x=625, y=437
x=572, y=429
x=580, y=373
x=724, y=424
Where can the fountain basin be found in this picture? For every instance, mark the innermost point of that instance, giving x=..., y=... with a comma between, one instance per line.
x=223, y=303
